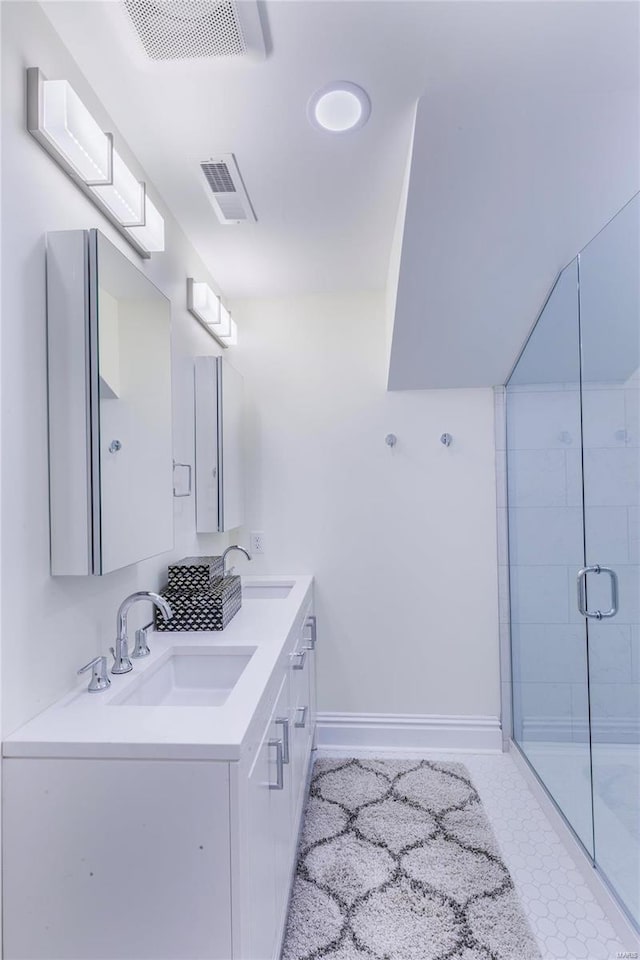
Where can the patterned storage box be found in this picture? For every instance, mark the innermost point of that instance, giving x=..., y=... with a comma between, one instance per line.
x=208, y=608
x=192, y=572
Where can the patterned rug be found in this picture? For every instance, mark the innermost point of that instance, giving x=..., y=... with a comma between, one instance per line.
x=397, y=861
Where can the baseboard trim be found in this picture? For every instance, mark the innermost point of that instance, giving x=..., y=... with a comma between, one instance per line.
x=387, y=734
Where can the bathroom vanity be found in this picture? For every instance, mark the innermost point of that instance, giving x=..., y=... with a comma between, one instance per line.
x=158, y=820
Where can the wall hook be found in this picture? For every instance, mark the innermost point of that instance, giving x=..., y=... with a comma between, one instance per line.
x=391, y=440
x=447, y=439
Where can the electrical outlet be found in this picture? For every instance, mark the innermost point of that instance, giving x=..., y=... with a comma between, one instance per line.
x=256, y=541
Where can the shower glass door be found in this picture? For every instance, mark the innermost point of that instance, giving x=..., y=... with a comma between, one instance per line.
x=610, y=330
x=546, y=550
x=573, y=462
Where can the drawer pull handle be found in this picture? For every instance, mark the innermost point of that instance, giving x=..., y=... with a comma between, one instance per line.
x=312, y=624
x=300, y=656
x=279, y=784
x=284, y=723
x=301, y=720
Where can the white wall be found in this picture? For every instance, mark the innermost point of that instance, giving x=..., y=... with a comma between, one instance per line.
x=402, y=542
x=51, y=626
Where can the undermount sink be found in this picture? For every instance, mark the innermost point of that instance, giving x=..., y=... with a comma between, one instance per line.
x=269, y=590
x=189, y=677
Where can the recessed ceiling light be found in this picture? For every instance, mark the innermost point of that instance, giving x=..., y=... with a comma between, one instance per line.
x=339, y=107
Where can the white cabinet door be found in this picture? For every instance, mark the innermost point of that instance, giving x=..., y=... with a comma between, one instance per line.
x=126, y=859
x=268, y=865
x=282, y=809
x=259, y=907
x=301, y=671
x=219, y=426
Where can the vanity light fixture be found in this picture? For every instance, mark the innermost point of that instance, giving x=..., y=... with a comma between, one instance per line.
x=232, y=338
x=150, y=234
x=339, y=107
x=58, y=119
x=124, y=196
x=207, y=308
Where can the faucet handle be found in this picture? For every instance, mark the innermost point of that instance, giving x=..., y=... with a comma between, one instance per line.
x=141, y=648
x=99, y=678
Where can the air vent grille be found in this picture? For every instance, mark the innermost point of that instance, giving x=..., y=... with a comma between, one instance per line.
x=187, y=29
x=225, y=189
x=218, y=177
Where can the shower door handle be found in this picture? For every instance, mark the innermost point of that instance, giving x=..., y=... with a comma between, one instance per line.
x=582, y=597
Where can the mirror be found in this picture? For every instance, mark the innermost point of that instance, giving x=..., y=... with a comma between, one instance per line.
x=219, y=446
x=110, y=448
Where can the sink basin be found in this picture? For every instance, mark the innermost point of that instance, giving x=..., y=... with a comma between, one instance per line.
x=269, y=590
x=189, y=677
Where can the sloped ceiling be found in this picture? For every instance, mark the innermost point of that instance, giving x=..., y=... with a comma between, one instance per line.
x=511, y=175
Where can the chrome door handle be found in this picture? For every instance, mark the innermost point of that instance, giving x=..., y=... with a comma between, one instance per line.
x=300, y=656
x=312, y=623
x=279, y=784
x=582, y=598
x=301, y=722
x=284, y=723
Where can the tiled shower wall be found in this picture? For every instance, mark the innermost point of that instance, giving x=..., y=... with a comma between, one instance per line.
x=544, y=496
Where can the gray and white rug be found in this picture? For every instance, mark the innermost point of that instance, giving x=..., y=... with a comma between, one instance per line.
x=397, y=861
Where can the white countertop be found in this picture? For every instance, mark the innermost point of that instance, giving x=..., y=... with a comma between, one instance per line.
x=84, y=724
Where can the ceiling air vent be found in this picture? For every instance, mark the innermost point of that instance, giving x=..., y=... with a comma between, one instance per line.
x=226, y=191
x=190, y=29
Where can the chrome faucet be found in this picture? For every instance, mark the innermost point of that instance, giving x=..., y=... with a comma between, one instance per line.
x=226, y=573
x=121, y=661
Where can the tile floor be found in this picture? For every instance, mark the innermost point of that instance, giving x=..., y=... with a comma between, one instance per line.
x=565, y=917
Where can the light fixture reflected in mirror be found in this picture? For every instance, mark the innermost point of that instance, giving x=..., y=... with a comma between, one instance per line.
x=207, y=308
x=60, y=122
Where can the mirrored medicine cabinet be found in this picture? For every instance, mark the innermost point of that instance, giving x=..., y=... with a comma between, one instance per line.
x=219, y=394
x=110, y=445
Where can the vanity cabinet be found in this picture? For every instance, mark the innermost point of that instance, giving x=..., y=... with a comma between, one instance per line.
x=164, y=858
x=270, y=812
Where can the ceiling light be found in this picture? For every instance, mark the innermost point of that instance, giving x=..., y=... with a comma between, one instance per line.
x=339, y=107
x=206, y=307
x=58, y=119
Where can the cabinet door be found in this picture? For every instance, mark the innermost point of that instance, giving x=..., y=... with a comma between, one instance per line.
x=109, y=387
x=126, y=859
x=219, y=414
x=302, y=723
x=259, y=927
x=282, y=808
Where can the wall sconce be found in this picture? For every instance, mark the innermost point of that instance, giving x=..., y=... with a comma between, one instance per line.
x=207, y=308
x=62, y=125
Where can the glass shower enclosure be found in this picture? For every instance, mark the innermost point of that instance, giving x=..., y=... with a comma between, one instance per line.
x=573, y=467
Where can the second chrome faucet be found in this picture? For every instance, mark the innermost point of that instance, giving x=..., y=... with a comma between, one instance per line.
x=234, y=546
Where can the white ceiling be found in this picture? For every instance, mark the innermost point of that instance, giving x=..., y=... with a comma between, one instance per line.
x=325, y=205
x=525, y=146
